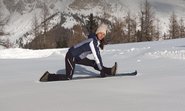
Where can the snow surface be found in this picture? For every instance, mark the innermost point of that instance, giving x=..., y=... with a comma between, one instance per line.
x=159, y=85
x=69, y=23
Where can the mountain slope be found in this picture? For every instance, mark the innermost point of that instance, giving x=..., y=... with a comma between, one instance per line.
x=18, y=14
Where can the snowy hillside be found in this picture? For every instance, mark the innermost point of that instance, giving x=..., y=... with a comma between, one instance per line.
x=18, y=14
x=159, y=85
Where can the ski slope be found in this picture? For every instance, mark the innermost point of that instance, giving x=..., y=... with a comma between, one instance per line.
x=159, y=85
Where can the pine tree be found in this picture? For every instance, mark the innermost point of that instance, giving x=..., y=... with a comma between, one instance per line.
x=91, y=24
x=35, y=25
x=1, y=21
x=35, y=28
x=131, y=28
x=45, y=22
x=147, y=22
x=157, y=31
x=173, y=27
x=182, y=28
x=128, y=22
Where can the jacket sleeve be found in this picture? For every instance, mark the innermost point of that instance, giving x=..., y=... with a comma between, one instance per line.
x=96, y=53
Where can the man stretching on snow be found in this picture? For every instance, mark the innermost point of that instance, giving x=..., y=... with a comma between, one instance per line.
x=78, y=55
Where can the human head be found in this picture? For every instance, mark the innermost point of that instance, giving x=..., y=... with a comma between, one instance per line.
x=101, y=31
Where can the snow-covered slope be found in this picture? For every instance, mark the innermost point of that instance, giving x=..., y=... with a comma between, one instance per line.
x=159, y=85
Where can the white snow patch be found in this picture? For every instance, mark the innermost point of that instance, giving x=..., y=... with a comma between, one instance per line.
x=69, y=23
x=177, y=54
x=18, y=53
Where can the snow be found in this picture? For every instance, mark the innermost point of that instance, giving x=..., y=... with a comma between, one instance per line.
x=2, y=47
x=69, y=23
x=4, y=12
x=159, y=85
x=18, y=53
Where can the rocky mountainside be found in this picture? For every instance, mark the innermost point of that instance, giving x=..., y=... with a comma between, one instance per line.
x=17, y=15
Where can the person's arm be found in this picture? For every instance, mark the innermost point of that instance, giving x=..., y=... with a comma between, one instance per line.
x=96, y=54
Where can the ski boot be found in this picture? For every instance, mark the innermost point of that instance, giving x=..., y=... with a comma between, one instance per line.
x=45, y=77
x=114, y=69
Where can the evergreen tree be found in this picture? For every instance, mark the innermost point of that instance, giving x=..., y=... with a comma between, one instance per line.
x=157, y=31
x=147, y=22
x=182, y=28
x=131, y=28
x=1, y=21
x=35, y=28
x=35, y=25
x=45, y=22
x=91, y=24
x=173, y=27
x=128, y=22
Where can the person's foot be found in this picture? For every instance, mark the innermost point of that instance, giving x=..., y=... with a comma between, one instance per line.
x=114, y=69
x=45, y=77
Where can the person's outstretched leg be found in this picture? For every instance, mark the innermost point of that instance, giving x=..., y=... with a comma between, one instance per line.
x=56, y=77
x=88, y=62
x=52, y=77
x=92, y=63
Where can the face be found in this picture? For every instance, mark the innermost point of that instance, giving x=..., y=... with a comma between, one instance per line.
x=100, y=35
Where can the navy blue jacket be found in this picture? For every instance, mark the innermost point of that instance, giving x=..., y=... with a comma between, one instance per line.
x=88, y=46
